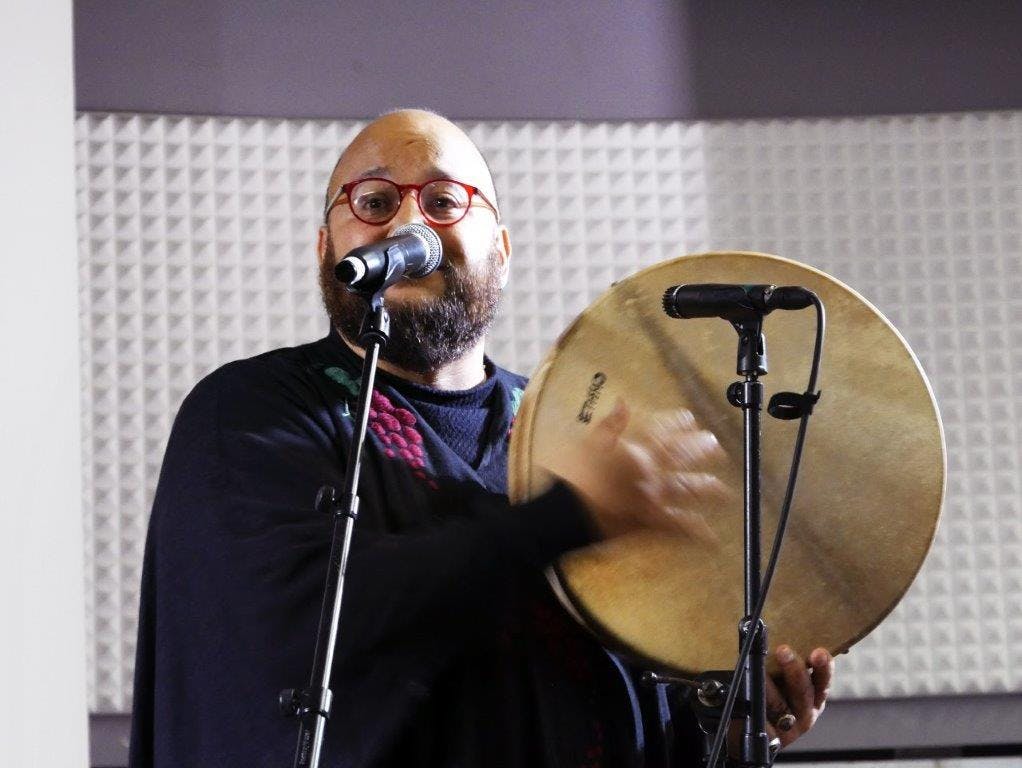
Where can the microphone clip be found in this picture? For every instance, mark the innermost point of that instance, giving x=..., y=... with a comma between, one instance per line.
x=788, y=406
x=752, y=352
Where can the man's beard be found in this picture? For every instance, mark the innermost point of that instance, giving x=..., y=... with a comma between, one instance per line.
x=425, y=334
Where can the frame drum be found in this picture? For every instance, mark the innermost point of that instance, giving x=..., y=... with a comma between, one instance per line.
x=869, y=493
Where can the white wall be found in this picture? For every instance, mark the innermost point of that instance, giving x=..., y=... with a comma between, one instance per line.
x=42, y=685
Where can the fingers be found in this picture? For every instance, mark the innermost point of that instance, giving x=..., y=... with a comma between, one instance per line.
x=687, y=450
x=796, y=698
x=652, y=478
x=677, y=442
x=668, y=450
x=680, y=453
x=776, y=707
x=798, y=688
x=670, y=421
x=781, y=721
x=670, y=501
x=671, y=437
x=686, y=488
x=822, y=664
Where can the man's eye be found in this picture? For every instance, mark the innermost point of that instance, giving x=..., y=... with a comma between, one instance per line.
x=443, y=202
x=372, y=202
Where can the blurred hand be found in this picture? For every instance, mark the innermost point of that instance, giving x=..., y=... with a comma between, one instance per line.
x=654, y=479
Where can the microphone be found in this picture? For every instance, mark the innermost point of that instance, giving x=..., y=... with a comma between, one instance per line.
x=413, y=250
x=732, y=302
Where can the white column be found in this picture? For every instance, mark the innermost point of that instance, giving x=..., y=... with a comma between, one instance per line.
x=43, y=718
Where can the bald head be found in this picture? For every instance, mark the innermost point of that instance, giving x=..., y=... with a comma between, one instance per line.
x=412, y=143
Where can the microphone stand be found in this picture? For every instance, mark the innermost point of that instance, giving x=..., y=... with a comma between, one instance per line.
x=311, y=705
x=748, y=395
x=714, y=695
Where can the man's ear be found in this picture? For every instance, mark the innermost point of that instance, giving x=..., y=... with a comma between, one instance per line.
x=321, y=243
x=505, y=255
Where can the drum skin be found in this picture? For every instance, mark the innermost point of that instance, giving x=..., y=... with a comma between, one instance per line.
x=869, y=493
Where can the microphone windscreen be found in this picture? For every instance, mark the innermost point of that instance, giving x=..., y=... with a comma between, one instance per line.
x=434, y=250
x=670, y=301
x=790, y=297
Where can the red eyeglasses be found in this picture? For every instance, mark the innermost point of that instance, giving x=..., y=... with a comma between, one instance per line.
x=443, y=202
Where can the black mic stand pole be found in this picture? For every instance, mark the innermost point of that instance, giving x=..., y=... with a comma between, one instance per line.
x=754, y=749
x=312, y=705
x=712, y=694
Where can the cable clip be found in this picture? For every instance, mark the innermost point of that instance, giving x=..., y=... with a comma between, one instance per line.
x=792, y=405
x=328, y=502
x=300, y=703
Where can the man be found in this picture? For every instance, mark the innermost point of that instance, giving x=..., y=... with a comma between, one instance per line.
x=452, y=651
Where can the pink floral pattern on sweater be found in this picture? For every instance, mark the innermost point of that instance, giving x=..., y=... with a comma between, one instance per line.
x=395, y=428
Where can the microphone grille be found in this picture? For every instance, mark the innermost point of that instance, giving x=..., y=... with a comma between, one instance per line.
x=434, y=250
x=670, y=303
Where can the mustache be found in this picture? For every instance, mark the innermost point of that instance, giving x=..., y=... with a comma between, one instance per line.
x=446, y=266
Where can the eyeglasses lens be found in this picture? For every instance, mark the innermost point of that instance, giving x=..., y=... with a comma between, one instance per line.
x=376, y=201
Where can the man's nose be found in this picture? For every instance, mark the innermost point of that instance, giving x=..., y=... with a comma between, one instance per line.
x=408, y=211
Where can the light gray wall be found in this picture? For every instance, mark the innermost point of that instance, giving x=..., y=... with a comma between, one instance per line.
x=582, y=59
x=42, y=603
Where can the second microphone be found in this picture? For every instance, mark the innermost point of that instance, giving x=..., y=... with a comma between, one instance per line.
x=733, y=302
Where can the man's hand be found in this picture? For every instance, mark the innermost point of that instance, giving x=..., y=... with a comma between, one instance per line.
x=655, y=478
x=797, y=696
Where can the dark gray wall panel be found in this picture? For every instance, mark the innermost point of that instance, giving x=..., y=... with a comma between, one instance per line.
x=601, y=59
x=853, y=57
x=330, y=59
x=920, y=727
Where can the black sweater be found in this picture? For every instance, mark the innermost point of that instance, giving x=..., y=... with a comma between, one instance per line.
x=452, y=650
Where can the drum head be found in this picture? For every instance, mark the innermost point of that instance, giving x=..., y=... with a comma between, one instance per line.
x=869, y=491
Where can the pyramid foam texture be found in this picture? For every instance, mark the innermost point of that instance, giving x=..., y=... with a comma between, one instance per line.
x=197, y=246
